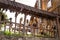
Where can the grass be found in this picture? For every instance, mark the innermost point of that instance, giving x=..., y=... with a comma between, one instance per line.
x=7, y=33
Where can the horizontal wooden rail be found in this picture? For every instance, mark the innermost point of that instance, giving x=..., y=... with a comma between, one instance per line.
x=14, y=6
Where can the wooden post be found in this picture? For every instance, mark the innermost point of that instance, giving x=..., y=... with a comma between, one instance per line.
x=10, y=25
x=58, y=25
x=57, y=22
x=20, y=25
x=24, y=28
x=4, y=26
x=0, y=21
x=15, y=22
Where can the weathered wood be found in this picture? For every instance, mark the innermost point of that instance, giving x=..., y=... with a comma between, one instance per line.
x=10, y=27
x=24, y=28
x=58, y=27
x=4, y=26
x=14, y=6
x=18, y=7
x=15, y=22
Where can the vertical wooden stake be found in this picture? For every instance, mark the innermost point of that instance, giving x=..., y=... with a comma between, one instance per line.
x=10, y=25
x=57, y=22
x=15, y=22
x=4, y=26
x=24, y=28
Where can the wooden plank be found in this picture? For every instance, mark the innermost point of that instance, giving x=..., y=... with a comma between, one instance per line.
x=27, y=8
